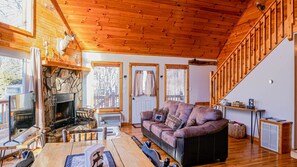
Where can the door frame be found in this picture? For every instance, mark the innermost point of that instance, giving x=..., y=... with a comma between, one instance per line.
x=130, y=85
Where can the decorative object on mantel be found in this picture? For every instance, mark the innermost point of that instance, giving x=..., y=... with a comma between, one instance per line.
x=251, y=104
x=226, y=103
x=202, y=63
x=63, y=43
x=238, y=104
x=46, y=43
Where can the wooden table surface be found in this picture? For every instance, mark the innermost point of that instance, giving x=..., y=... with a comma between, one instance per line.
x=124, y=150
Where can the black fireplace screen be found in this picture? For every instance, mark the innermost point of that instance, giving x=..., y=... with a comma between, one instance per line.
x=64, y=110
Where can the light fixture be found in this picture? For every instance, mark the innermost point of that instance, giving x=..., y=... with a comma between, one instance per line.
x=260, y=5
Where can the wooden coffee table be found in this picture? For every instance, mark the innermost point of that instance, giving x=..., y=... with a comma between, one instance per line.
x=124, y=150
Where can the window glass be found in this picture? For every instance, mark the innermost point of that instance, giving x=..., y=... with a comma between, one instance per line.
x=107, y=87
x=11, y=83
x=176, y=84
x=11, y=76
x=17, y=13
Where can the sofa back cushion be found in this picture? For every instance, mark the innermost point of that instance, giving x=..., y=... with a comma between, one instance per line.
x=202, y=114
x=171, y=105
x=160, y=115
x=183, y=111
x=173, y=122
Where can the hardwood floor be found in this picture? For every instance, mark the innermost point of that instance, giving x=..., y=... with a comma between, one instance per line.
x=241, y=153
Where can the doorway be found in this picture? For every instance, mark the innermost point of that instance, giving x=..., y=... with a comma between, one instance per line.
x=143, y=89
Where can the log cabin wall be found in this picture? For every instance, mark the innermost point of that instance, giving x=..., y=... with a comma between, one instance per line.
x=245, y=23
x=196, y=29
x=48, y=25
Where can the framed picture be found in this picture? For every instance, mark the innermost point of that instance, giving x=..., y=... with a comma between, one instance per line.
x=18, y=16
x=251, y=102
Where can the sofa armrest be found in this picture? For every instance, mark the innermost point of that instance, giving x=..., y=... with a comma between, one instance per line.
x=209, y=127
x=146, y=115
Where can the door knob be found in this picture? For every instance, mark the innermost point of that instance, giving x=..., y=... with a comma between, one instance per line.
x=133, y=98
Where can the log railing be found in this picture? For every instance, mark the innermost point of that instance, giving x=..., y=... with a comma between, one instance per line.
x=3, y=114
x=275, y=24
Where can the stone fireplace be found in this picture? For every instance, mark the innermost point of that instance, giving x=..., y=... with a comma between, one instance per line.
x=56, y=85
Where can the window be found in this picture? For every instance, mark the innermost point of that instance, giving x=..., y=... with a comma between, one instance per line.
x=144, y=83
x=176, y=82
x=108, y=86
x=17, y=15
x=11, y=83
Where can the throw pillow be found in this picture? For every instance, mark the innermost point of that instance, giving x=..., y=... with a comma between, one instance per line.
x=183, y=111
x=171, y=105
x=205, y=114
x=191, y=122
x=173, y=122
x=160, y=115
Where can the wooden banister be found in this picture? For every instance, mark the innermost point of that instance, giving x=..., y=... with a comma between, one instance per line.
x=275, y=24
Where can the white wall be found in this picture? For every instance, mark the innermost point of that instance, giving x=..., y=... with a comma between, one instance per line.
x=199, y=83
x=199, y=76
x=277, y=98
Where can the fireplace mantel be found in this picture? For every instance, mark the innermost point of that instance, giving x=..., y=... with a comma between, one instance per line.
x=56, y=64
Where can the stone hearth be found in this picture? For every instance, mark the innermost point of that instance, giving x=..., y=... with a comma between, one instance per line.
x=60, y=81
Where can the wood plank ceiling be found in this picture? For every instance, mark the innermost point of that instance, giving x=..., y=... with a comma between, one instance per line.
x=181, y=28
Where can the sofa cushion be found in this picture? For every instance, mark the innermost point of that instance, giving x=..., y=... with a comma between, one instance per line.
x=202, y=114
x=183, y=111
x=159, y=128
x=147, y=124
x=209, y=127
x=160, y=115
x=146, y=115
x=171, y=105
x=168, y=137
x=174, y=122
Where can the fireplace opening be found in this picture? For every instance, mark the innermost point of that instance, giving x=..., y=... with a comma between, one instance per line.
x=64, y=110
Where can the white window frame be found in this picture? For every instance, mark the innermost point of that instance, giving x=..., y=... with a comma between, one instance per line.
x=110, y=64
x=177, y=66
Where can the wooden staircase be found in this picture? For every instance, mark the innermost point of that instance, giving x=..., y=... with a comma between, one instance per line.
x=275, y=24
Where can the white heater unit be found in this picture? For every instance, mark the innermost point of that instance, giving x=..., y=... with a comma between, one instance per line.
x=269, y=136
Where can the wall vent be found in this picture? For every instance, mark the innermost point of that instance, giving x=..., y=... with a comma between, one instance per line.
x=269, y=136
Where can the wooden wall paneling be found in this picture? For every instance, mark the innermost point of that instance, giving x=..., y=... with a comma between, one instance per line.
x=169, y=28
x=48, y=25
x=253, y=47
x=245, y=23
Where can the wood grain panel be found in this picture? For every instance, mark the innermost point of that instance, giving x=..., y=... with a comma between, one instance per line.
x=245, y=23
x=192, y=28
x=49, y=26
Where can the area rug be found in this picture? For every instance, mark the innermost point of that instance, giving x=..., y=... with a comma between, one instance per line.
x=78, y=160
x=136, y=125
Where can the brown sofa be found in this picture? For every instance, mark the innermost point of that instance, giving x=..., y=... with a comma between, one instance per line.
x=204, y=141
